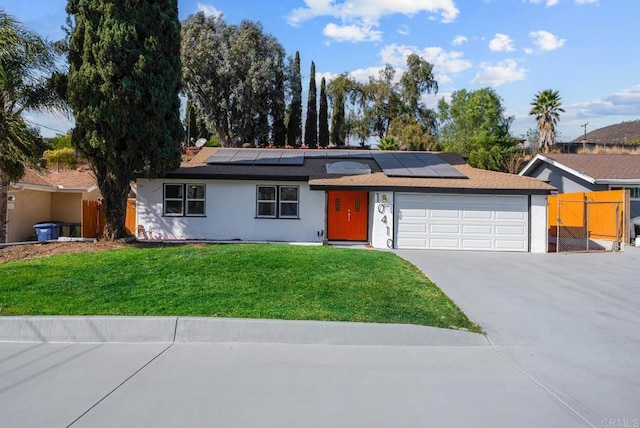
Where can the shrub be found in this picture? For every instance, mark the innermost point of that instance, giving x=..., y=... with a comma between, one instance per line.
x=62, y=158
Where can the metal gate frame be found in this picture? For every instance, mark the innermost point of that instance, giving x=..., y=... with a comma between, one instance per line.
x=579, y=238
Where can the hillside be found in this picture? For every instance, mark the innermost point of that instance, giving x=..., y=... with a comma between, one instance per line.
x=621, y=133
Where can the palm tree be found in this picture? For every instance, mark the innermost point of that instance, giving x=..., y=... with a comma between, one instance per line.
x=546, y=107
x=27, y=64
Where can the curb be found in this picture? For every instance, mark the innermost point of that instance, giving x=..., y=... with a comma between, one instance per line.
x=106, y=329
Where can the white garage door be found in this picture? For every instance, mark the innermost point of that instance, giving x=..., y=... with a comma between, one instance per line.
x=462, y=222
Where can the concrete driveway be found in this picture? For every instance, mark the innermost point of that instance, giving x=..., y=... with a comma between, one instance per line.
x=569, y=322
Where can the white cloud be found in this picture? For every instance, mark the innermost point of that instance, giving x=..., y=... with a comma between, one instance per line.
x=501, y=43
x=528, y=51
x=208, y=10
x=367, y=9
x=496, y=74
x=352, y=33
x=546, y=41
x=458, y=40
x=585, y=1
x=357, y=17
x=445, y=62
x=548, y=3
x=403, y=30
x=623, y=103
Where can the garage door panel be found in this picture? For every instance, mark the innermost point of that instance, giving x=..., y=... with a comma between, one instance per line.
x=478, y=215
x=510, y=230
x=444, y=244
x=476, y=229
x=505, y=245
x=510, y=215
x=450, y=229
x=476, y=244
x=442, y=213
x=462, y=222
x=413, y=228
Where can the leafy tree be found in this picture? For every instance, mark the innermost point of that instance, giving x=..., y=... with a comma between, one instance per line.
x=546, y=107
x=278, y=106
x=323, y=116
x=196, y=126
x=410, y=134
x=338, y=90
x=475, y=126
x=231, y=73
x=124, y=80
x=62, y=158
x=27, y=62
x=380, y=101
x=388, y=143
x=61, y=141
x=311, y=124
x=294, y=125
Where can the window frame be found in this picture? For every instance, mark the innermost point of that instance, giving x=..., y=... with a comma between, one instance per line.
x=184, y=200
x=278, y=202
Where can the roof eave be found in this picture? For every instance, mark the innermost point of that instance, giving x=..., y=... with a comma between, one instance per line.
x=540, y=158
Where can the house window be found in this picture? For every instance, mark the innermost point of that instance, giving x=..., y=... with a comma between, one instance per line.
x=184, y=200
x=277, y=202
x=634, y=192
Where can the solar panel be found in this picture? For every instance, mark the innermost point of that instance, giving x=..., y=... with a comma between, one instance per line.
x=291, y=158
x=422, y=165
x=268, y=157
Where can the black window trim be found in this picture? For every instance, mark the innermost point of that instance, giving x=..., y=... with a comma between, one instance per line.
x=277, y=202
x=184, y=200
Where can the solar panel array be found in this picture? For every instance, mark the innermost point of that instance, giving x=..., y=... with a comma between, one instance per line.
x=280, y=157
x=393, y=164
x=415, y=164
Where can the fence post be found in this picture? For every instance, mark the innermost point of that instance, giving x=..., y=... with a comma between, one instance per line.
x=586, y=220
x=558, y=226
x=617, y=244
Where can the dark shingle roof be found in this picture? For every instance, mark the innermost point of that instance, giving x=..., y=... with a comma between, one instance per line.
x=314, y=171
x=602, y=167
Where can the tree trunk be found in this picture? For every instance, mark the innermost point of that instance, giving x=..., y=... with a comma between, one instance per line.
x=115, y=189
x=4, y=195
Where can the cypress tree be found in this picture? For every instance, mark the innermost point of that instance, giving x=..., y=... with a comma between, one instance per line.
x=311, y=124
x=279, y=133
x=294, y=128
x=124, y=80
x=323, y=116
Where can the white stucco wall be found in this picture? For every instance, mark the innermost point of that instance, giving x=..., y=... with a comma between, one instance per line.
x=382, y=219
x=230, y=214
x=538, y=225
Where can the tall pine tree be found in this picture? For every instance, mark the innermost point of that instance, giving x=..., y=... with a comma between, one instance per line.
x=311, y=124
x=294, y=127
x=124, y=80
x=278, y=108
x=323, y=116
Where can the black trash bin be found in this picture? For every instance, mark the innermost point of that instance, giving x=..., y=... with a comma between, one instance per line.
x=47, y=231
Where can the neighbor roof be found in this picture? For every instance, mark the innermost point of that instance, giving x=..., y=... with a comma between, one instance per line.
x=80, y=179
x=602, y=168
x=314, y=171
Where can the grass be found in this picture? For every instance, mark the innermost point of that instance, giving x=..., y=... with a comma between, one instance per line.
x=240, y=280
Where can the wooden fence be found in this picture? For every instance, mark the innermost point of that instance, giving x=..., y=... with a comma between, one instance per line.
x=93, y=218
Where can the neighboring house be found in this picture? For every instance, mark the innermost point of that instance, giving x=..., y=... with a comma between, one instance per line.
x=49, y=195
x=383, y=199
x=571, y=173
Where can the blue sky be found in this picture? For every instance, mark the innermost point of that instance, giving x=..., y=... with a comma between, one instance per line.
x=588, y=50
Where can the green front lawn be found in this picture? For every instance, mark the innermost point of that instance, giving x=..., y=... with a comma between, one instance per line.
x=240, y=280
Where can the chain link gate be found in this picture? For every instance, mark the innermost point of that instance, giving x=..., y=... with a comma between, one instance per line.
x=588, y=225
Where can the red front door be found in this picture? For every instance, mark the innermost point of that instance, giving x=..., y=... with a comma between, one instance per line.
x=347, y=216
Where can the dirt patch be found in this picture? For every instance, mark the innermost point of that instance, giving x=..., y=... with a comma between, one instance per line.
x=31, y=251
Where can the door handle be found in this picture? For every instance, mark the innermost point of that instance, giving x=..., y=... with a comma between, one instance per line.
x=348, y=215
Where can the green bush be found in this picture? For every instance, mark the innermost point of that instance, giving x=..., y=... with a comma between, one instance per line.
x=62, y=158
